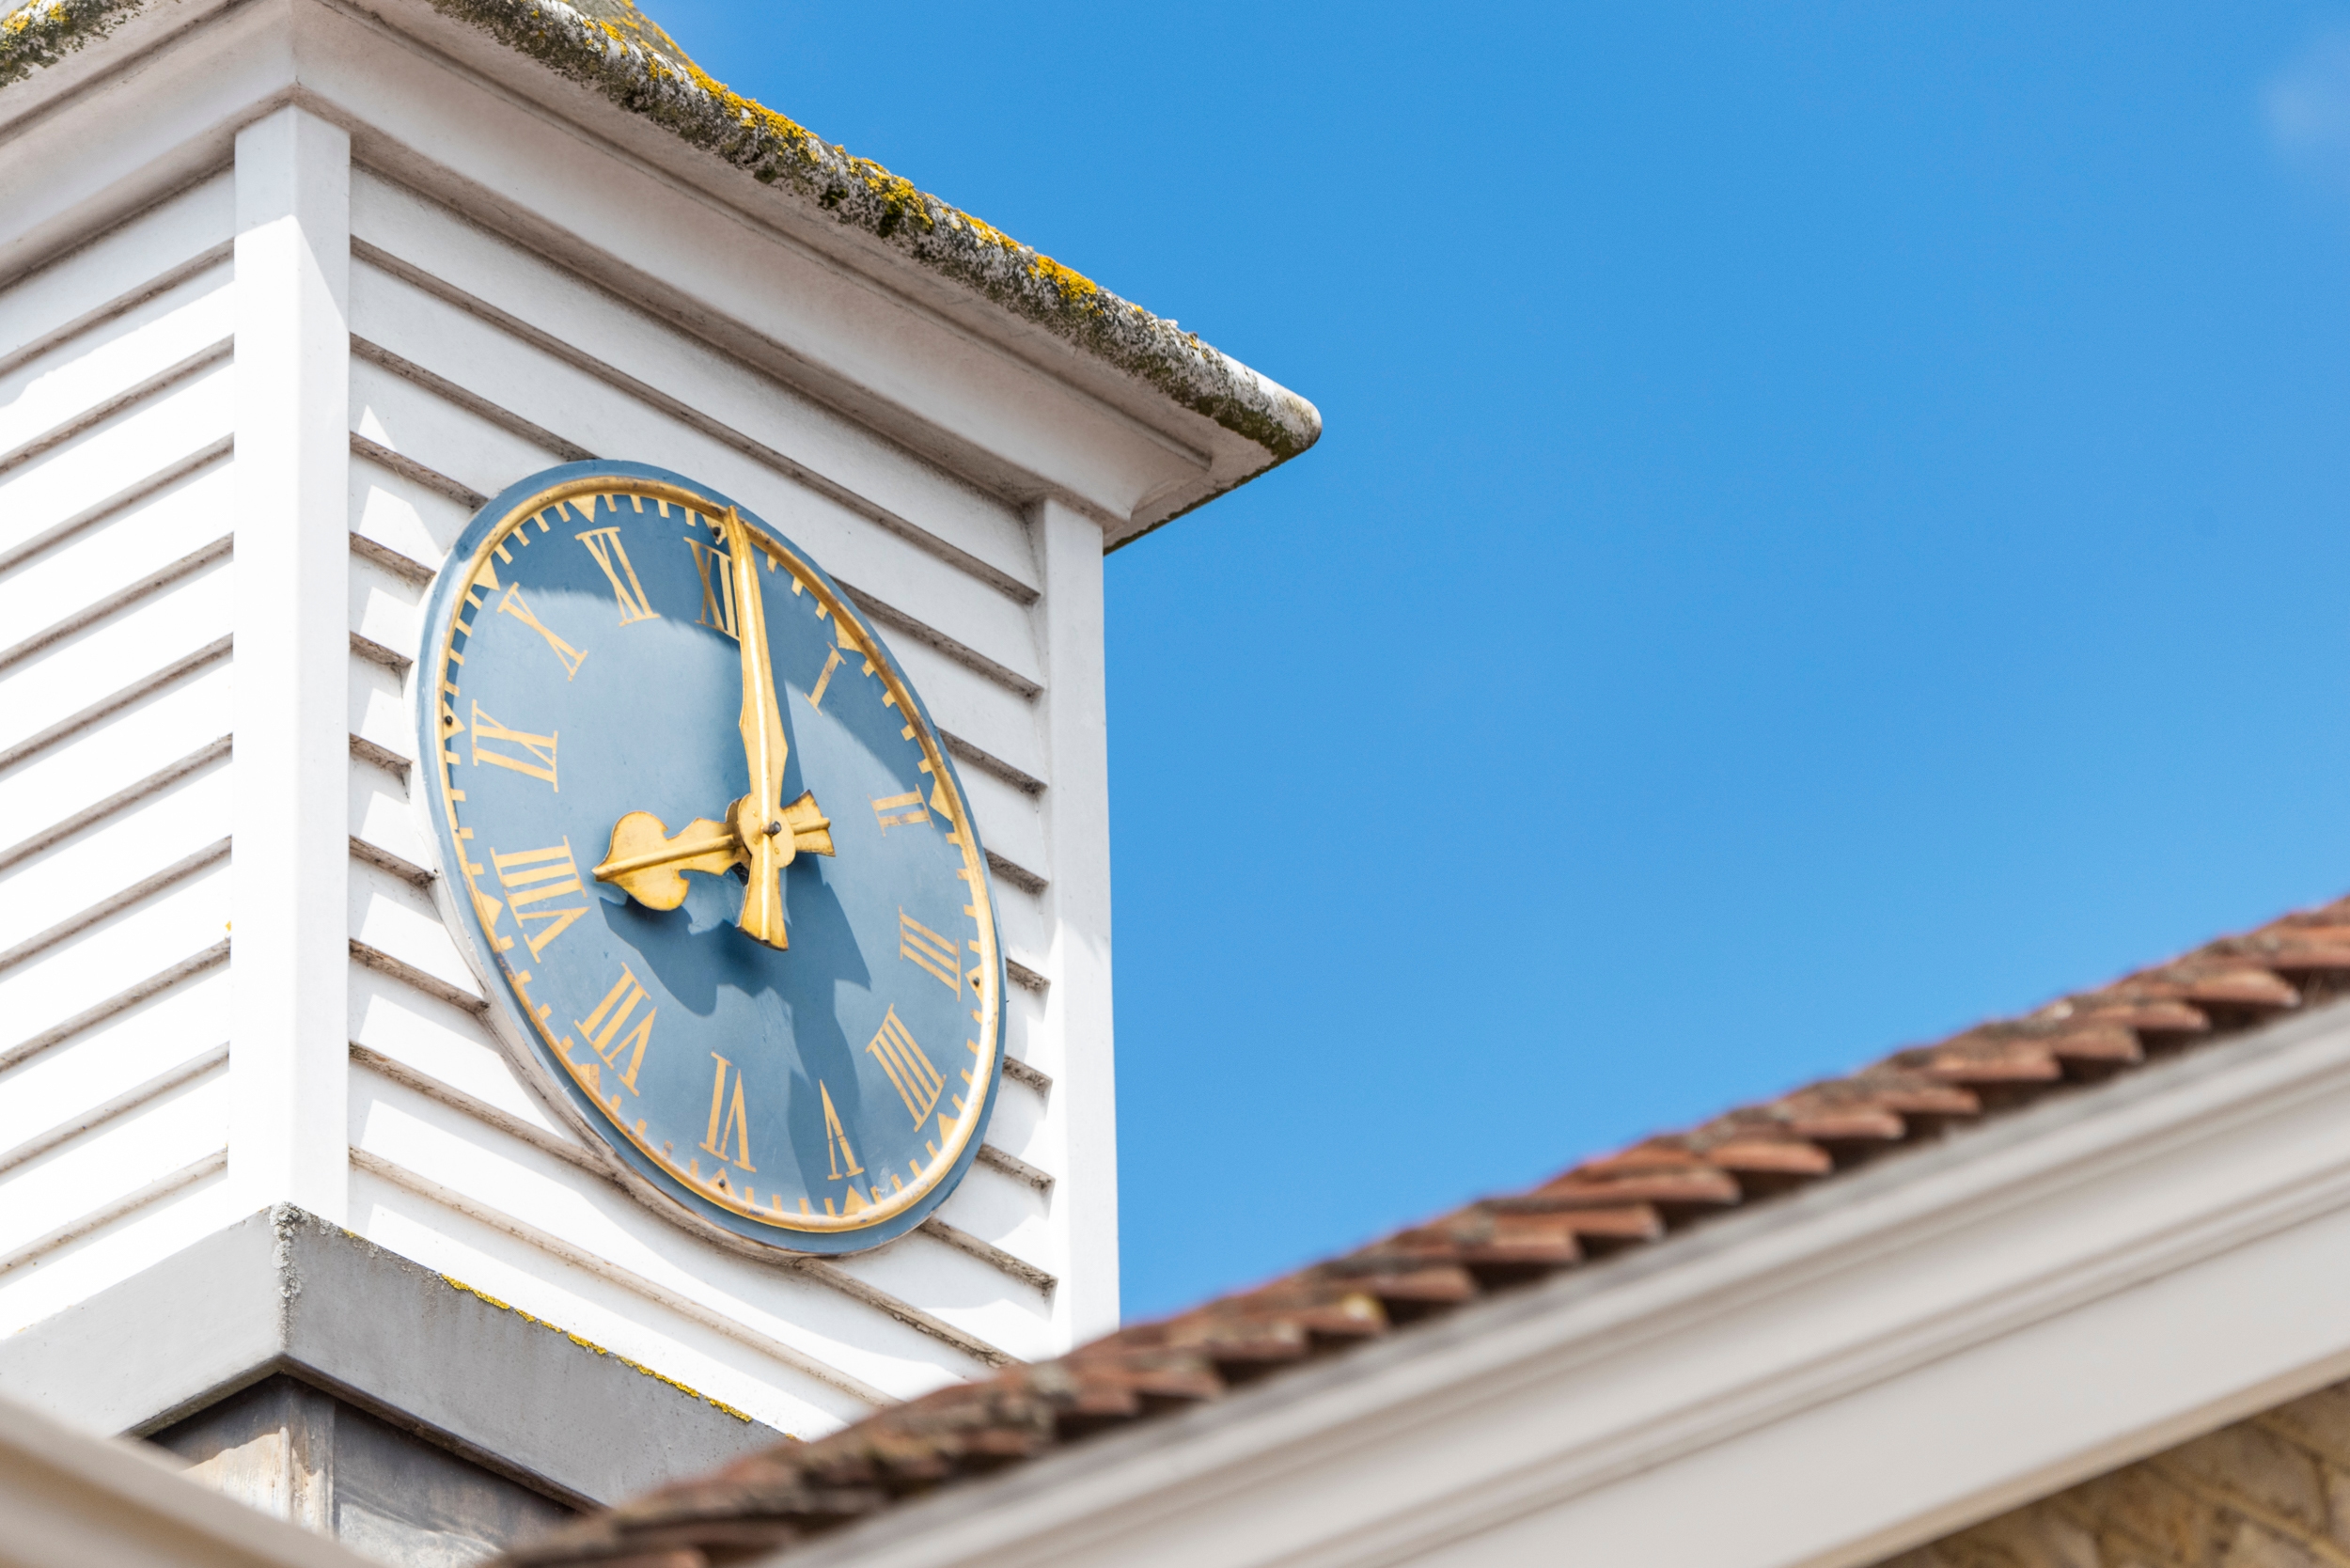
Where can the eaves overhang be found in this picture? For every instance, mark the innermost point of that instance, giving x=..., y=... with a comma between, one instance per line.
x=619, y=81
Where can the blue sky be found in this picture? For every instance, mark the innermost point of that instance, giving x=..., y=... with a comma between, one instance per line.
x=1832, y=526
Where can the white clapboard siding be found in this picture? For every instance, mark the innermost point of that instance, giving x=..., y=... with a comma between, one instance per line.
x=393, y=916
x=1009, y=824
x=441, y=1039
x=80, y=671
x=81, y=782
x=117, y=494
x=382, y=820
x=116, y=1238
x=460, y=350
x=110, y=462
x=950, y=477
x=401, y=230
x=980, y=712
x=81, y=571
x=58, y=1086
x=93, y=867
x=459, y=443
x=405, y=515
x=448, y=407
x=581, y=1238
x=172, y=924
x=118, y=269
x=379, y=707
x=385, y=607
x=1020, y=918
x=76, y=382
x=168, y=1134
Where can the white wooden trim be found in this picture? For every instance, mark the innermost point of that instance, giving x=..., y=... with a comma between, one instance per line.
x=1080, y=1138
x=288, y=975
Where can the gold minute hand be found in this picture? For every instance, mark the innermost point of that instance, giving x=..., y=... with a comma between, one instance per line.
x=770, y=832
x=646, y=860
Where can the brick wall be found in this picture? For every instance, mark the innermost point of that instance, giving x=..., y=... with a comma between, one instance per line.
x=2271, y=1492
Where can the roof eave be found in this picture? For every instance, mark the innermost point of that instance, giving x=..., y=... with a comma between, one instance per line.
x=853, y=196
x=1828, y=1379
x=1195, y=398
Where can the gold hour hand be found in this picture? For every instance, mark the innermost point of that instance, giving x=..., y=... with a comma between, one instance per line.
x=646, y=862
x=760, y=832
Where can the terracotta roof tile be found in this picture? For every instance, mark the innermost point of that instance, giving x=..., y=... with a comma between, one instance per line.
x=1608, y=1204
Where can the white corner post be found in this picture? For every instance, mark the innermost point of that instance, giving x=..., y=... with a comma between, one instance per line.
x=1076, y=717
x=289, y=954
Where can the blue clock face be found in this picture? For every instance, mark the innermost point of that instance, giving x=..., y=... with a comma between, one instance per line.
x=718, y=874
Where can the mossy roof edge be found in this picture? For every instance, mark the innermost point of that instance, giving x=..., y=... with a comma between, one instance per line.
x=680, y=97
x=775, y=149
x=43, y=32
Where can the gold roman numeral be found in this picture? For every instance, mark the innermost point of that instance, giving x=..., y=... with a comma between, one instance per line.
x=735, y=1127
x=900, y=810
x=717, y=573
x=836, y=1144
x=512, y=604
x=603, y=1027
x=540, y=747
x=533, y=876
x=605, y=544
x=929, y=949
x=916, y=1081
x=843, y=642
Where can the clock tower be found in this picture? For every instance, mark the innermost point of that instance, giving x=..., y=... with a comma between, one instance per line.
x=368, y=370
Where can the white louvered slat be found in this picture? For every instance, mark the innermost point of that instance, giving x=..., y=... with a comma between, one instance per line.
x=425, y=240
x=117, y=268
x=540, y=390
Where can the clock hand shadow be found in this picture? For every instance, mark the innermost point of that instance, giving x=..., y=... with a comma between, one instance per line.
x=696, y=948
x=797, y=1041
x=823, y=960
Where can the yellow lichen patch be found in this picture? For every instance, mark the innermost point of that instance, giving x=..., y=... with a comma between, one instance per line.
x=586, y=1343
x=1074, y=287
x=664, y=1377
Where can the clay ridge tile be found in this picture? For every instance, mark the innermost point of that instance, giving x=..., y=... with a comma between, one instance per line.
x=1602, y=1205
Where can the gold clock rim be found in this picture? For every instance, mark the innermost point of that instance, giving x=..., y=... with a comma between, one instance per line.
x=814, y=582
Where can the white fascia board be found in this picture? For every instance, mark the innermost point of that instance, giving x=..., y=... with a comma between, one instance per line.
x=541, y=159
x=125, y=121
x=1822, y=1381
x=72, y=1500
